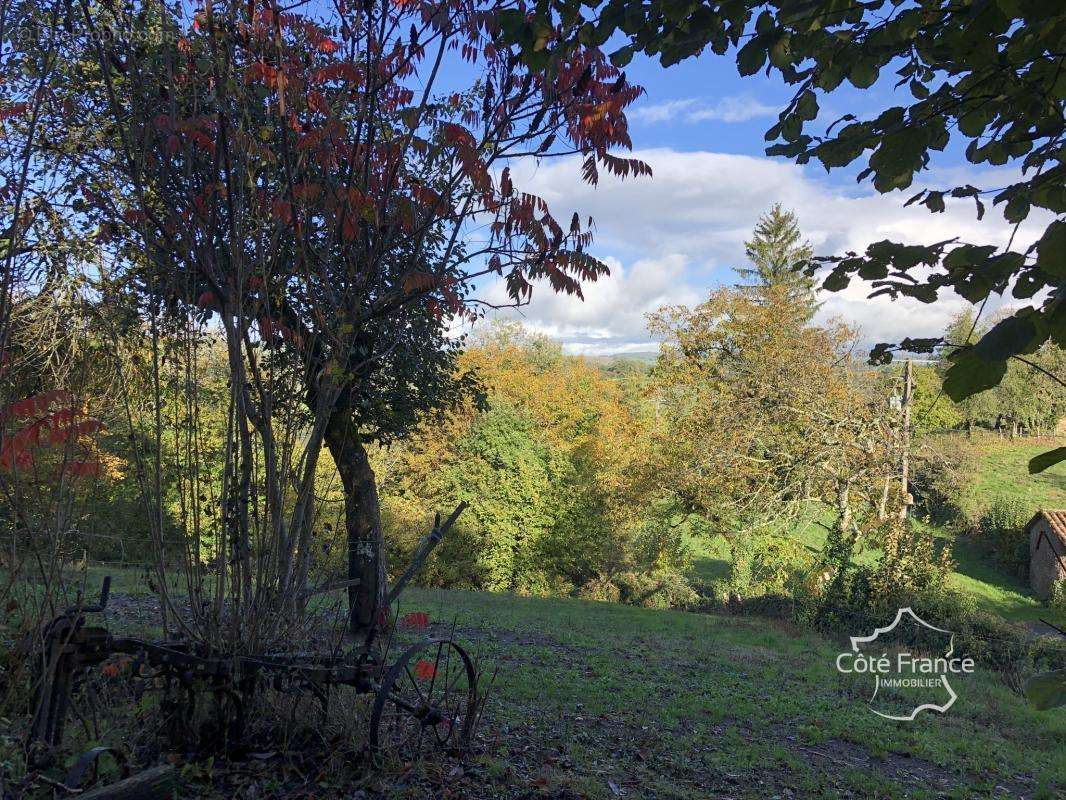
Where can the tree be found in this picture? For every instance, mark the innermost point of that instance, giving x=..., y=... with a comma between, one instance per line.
x=778, y=254
x=548, y=464
x=986, y=73
x=932, y=410
x=301, y=182
x=763, y=413
x=963, y=330
x=1023, y=398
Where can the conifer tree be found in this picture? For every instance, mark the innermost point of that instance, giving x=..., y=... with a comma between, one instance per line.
x=774, y=250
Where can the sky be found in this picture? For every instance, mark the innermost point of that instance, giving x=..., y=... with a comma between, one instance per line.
x=672, y=238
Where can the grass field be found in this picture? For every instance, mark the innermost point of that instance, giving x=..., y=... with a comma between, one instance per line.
x=596, y=700
x=599, y=700
x=1004, y=471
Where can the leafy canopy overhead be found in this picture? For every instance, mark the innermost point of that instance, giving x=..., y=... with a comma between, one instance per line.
x=987, y=73
x=308, y=180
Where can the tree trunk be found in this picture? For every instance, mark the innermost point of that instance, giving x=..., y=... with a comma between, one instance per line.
x=362, y=517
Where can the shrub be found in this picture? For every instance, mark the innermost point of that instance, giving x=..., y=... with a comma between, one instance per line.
x=990, y=640
x=1001, y=531
x=942, y=480
x=767, y=564
x=665, y=589
x=1057, y=600
x=600, y=588
x=1004, y=513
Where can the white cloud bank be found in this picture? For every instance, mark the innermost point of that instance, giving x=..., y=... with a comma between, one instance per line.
x=736, y=108
x=671, y=238
x=611, y=318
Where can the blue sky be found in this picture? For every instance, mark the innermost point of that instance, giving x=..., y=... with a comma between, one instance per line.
x=672, y=238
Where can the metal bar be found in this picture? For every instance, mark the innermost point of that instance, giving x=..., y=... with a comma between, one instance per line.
x=431, y=542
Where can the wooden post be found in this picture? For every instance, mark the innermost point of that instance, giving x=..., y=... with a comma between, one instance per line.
x=905, y=440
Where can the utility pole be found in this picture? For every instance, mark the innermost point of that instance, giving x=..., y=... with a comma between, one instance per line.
x=905, y=440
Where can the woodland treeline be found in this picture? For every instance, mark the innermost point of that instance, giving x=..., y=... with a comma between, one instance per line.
x=587, y=477
x=293, y=209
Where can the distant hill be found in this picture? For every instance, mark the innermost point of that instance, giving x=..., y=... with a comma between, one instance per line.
x=641, y=357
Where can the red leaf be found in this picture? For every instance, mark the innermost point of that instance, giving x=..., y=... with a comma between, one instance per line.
x=332, y=72
x=87, y=428
x=35, y=405
x=316, y=102
x=58, y=435
x=203, y=141
x=424, y=670
x=14, y=111
x=64, y=417
x=82, y=468
x=416, y=619
x=281, y=210
x=306, y=191
x=261, y=72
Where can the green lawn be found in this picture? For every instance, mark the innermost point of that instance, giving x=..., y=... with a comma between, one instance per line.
x=603, y=701
x=1004, y=471
x=594, y=700
x=598, y=700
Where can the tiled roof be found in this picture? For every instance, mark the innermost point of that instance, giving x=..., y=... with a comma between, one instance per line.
x=1056, y=517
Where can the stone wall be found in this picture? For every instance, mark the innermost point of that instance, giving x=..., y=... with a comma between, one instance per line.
x=1044, y=567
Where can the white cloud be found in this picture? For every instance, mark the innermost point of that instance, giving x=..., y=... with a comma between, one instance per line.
x=611, y=318
x=660, y=112
x=672, y=237
x=738, y=108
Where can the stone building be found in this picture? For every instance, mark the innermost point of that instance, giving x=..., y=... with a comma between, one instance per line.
x=1047, y=550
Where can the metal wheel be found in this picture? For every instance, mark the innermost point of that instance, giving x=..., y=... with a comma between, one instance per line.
x=428, y=698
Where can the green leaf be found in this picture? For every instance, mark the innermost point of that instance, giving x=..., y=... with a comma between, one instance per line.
x=1027, y=285
x=971, y=374
x=1051, y=251
x=510, y=21
x=1047, y=690
x=935, y=202
x=921, y=345
x=864, y=74
x=919, y=90
x=882, y=353
x=807, y=106
x=621, y=58
x=836, y=281
x=974, y=122
x=780, y=54
x=751, y=57
x=1009, y=337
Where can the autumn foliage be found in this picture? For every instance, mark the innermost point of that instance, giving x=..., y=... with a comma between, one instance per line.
x=316, y=186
